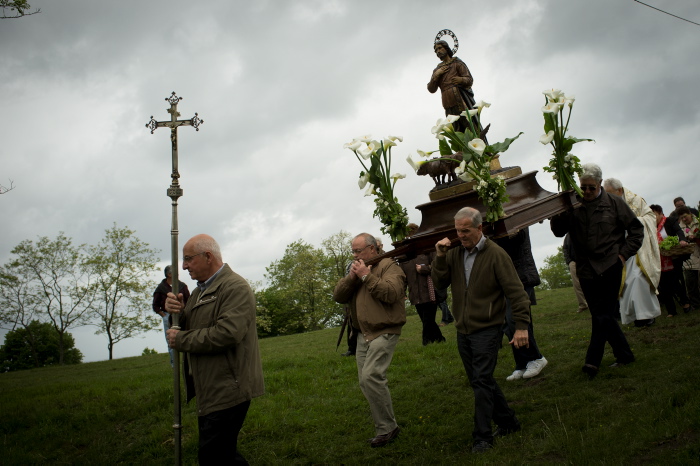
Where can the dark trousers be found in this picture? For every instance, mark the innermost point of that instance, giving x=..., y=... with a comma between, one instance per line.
x=601, y=294
x=352, y=338
x=479, y=353
x=431, y=331
x=692, y=285
x=521, y=355
x=447, y=317
x=218, y=436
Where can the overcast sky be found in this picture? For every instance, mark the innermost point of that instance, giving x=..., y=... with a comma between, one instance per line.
x=282, y=85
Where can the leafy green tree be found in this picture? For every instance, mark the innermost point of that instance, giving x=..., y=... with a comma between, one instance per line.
x=46, y=281
x=120, y=264
x=300, y=292
x=555, y=274
x=338, y=253
x=17, y=8
x=37, y=345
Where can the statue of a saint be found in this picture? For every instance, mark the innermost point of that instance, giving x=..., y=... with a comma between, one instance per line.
x=454, y=80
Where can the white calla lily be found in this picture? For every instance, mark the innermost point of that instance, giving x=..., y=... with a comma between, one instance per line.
x=480, y=105
x=370, y=190
x=352, y=145
x=547, y=138
x=395, y=138
x=570, y=100
x=470, y=113
x=365, y=152
x=477, y=145
x=364, y=178
x=388, y=143
x=398, y=176
x=551, y=107
x=452, y=118
x=553, y=94
x=415, y=165
x=365, y=138
x=424, y=154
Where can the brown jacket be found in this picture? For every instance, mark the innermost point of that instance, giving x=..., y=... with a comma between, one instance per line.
x=418, y=287
x=221, y=341
x=377, y=305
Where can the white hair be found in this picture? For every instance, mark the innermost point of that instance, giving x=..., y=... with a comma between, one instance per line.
x=470, y=213
x=591, y=170
x=613, y=183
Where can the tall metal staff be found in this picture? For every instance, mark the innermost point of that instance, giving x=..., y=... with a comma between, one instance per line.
x=174, y=192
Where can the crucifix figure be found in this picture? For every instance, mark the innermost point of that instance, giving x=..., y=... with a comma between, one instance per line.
x=174, y=192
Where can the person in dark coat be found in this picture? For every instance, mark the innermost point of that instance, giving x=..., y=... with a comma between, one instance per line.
x=529, y=362
x=605, y=233
x=159, y=296
x=422, y=295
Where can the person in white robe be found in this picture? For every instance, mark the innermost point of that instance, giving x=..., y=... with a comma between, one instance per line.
x=638, y=301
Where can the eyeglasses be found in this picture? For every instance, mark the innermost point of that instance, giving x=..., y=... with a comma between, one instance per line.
x=357, y=251
x=588, y=188
x=189, y=258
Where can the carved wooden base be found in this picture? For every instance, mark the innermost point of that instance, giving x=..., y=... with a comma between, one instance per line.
x=529, y=203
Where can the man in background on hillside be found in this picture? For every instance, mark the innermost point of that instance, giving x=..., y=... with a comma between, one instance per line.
x=482, y=276
x=222, y=365
x=375, y=295
x=159, y=297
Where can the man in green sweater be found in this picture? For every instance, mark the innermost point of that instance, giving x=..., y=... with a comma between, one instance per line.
x=482, y=275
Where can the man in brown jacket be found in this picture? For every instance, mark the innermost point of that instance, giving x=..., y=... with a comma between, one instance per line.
x=376, y=297
x=220, y=341
x=482, y=276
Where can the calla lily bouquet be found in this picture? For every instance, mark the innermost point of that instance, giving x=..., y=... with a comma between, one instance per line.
x=379, y=183
x=564, y=165
x=476, y=157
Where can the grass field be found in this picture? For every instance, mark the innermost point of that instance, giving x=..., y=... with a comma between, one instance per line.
x=314, y=413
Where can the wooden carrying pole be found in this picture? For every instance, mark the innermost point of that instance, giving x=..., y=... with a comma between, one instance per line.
x=174, y=192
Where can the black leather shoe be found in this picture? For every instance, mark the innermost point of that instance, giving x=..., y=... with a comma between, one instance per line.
x=385, y=439
x=590, y=370
x=481, y=446
x=348, y=353
x=502, y=431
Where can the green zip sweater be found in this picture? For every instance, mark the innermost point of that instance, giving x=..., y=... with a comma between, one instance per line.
x=482, y=304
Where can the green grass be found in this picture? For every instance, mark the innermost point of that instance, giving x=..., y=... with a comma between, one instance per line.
x=314, y=413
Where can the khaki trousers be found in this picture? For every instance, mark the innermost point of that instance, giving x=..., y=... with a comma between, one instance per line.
x=373, y=359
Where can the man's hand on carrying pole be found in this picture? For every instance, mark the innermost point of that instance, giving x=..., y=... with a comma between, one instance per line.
x=170, y=335
x=174, y=304
x=442, y=246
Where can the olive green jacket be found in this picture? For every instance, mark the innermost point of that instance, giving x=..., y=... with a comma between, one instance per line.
x=482, y=304
x=220, y=339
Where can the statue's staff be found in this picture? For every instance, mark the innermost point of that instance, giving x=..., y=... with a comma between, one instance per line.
x=174, y=192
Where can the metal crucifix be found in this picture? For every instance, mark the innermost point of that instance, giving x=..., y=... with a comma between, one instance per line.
x=174, y=192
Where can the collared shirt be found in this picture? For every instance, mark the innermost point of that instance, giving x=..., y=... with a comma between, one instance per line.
x=469, y=257
x=205, y=284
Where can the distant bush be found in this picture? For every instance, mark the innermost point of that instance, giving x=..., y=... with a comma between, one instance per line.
x=36, y=345
x=147, y=351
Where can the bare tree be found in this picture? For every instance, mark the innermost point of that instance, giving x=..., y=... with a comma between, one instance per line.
x=4, y=189
x=18, y=9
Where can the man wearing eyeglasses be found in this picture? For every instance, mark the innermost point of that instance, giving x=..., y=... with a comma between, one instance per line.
x=222, y=365
x=376, y=296
x=604, y=233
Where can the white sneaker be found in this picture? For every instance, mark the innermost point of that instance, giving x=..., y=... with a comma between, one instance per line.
x=517, y=374
x=534, y=367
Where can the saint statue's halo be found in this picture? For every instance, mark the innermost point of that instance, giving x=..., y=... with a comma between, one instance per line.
x=447, y=32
